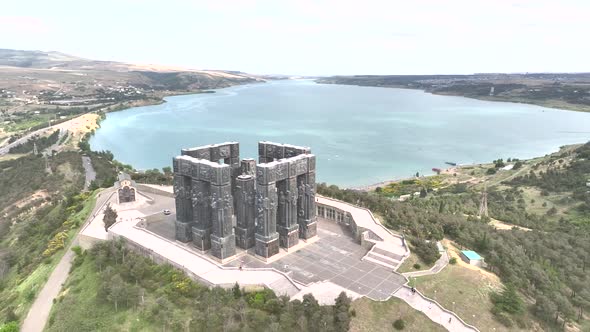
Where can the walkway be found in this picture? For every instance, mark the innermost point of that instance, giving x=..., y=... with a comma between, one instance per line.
x=438, y=266
x=433, y=310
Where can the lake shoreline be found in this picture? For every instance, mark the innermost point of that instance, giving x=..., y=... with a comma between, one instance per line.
x=553, y=104
x=385, y=121
x=453, y=170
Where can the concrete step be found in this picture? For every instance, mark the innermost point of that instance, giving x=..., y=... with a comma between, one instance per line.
x=378, y=262
x=284, y=287
x=387, y=253
x=383, y=259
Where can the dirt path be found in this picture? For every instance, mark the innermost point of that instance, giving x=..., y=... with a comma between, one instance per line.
x=506, y=226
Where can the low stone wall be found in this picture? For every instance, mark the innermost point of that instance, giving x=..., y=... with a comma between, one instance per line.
x=360, y=234
x=86, y=242
x=159, y=259
x=154, y=190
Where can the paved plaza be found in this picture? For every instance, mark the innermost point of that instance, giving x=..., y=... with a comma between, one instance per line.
x=337, y=258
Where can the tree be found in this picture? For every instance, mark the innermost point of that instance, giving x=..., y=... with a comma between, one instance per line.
x=423, y=193
x=110, y=217
x=236, y=291
x=310, y=305
x=399, y=324
x=545, y=308
x=341, y=312
x=507, y=301
x=9, y=327
x=116, y=290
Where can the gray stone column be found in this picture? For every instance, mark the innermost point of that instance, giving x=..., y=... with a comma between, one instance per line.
x=223, y=243
x=287, y=226
x=202, y=215
x=306, y=201
x=248, y=166
x=267, y=238
x=182, y=194
x=245, y=211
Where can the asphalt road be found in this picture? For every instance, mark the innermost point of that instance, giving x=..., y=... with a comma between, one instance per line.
x=4, y=150
x=89, y=170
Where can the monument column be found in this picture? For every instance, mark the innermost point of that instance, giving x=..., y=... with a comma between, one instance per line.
x=182, y=194
x=267, y=238
x=287, y=213
x=223, y=243
x=245, y=211
x=306, y=202
x=202, y=214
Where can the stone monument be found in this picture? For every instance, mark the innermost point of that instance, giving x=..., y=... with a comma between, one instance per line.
x=238, y=202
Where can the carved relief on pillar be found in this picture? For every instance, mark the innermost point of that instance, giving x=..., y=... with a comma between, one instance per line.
x=266, y=207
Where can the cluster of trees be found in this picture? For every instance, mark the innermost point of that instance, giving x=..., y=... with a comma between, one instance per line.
x=42, y=143
x=427, y=251
x=154, y=176
x=506, y=304
x=170, y=301
x=559, y=178
x=25, y=233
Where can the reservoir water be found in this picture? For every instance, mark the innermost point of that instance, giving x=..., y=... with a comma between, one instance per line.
x=361, y=135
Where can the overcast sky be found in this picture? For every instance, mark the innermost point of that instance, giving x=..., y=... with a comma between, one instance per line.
x=311, y=37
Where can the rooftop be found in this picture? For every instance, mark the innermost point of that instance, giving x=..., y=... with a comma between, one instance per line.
x=472, y=255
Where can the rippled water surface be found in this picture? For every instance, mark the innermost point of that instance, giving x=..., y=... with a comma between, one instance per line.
x=361, y=135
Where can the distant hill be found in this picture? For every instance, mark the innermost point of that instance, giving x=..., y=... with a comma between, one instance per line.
x=36, y=59
x=559, y=90
x=30, y=76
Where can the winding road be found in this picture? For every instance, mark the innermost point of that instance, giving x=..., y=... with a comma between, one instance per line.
x=39, y=312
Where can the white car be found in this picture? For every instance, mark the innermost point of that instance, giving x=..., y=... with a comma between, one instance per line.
x=167, y=212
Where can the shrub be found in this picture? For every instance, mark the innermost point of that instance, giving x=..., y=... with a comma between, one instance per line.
x=417, y=266
x=9, y=327
x=491, y=171
x=453, y=260
x=504, y=319
x=399, y=324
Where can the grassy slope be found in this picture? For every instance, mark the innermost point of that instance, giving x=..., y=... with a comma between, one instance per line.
x=379, y=316
x=78, y=308
x=408, y=264
x=24, y=291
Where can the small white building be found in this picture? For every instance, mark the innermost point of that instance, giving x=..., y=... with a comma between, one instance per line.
x=473, y=258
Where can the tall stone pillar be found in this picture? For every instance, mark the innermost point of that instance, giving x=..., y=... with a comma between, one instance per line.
x=223, y=243
x=245, y=211
x=182, y=193
x=248, y=166
x=306, y=201
x=287, y=226
x=202, y=214
x=267, y=238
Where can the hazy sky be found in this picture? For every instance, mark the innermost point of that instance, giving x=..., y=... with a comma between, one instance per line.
x=311, y=37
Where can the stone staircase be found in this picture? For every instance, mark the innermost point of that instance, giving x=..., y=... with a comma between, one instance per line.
x=383, y=257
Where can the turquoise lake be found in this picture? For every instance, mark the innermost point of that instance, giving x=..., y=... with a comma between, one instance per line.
x=361, y=135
